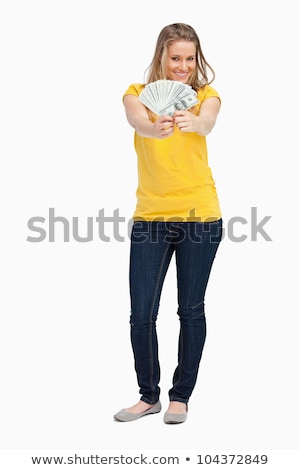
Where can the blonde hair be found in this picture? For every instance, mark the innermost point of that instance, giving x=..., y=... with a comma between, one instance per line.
x=168, y=35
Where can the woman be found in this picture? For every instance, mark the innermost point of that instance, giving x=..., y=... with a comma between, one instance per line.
x=177, y=211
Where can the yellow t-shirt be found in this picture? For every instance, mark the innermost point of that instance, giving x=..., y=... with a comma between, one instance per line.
x=174, y=179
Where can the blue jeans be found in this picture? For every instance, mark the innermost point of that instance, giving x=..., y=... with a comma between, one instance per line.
x=152, y=245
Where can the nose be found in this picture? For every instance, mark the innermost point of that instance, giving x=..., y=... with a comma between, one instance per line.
x=183, y=66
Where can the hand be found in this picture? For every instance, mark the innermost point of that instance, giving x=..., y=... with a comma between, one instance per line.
x=186, y=121
x=163, y=127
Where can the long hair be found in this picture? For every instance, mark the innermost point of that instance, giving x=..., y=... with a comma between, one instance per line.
x=168, y=35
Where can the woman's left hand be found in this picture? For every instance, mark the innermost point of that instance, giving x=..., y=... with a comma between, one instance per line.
x=186, y=121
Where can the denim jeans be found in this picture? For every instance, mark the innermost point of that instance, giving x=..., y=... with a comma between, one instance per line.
x=152, y=245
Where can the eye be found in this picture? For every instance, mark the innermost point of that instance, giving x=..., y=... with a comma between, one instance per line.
x=191, y=58
x=175, y=58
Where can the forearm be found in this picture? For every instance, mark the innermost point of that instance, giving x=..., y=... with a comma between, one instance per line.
x=143, y=126
x=204, y=125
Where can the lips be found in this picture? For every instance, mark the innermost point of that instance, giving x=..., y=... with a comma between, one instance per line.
x=181, y=76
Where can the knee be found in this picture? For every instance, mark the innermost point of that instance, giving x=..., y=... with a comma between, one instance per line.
x=192, y=314
x=140, y=320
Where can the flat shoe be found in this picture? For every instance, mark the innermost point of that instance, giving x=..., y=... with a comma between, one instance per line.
x=175, y=418
x=125, y=416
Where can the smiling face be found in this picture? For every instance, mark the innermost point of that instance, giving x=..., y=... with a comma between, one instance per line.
x=180, y=61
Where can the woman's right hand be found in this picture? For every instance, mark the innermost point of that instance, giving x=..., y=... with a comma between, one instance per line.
x=163, y=127
x=138, y=118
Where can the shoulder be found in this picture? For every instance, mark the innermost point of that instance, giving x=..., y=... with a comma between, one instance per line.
x=207, y=92
x=134, y=89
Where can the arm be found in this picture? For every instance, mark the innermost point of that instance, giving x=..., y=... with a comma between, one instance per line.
x=204, y=122
x=138, y=118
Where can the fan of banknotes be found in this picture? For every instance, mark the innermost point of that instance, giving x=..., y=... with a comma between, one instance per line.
x=166, y=96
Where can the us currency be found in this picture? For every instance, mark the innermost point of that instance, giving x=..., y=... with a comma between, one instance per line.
x=183, y=103
x=166, y=96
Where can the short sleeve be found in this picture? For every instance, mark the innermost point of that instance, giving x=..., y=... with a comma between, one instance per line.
x=207, y=92
x=134, y=89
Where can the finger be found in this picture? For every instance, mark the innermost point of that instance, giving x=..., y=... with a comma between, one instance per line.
x=179, y=119
x=167, y=118
x=167, y=131
x=179, y=113
x=167, y=125
x=182, y=126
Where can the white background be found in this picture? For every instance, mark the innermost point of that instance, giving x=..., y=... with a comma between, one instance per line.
x=66, y=360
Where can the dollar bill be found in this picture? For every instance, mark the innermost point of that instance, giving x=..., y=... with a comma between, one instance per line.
x=166, y=96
